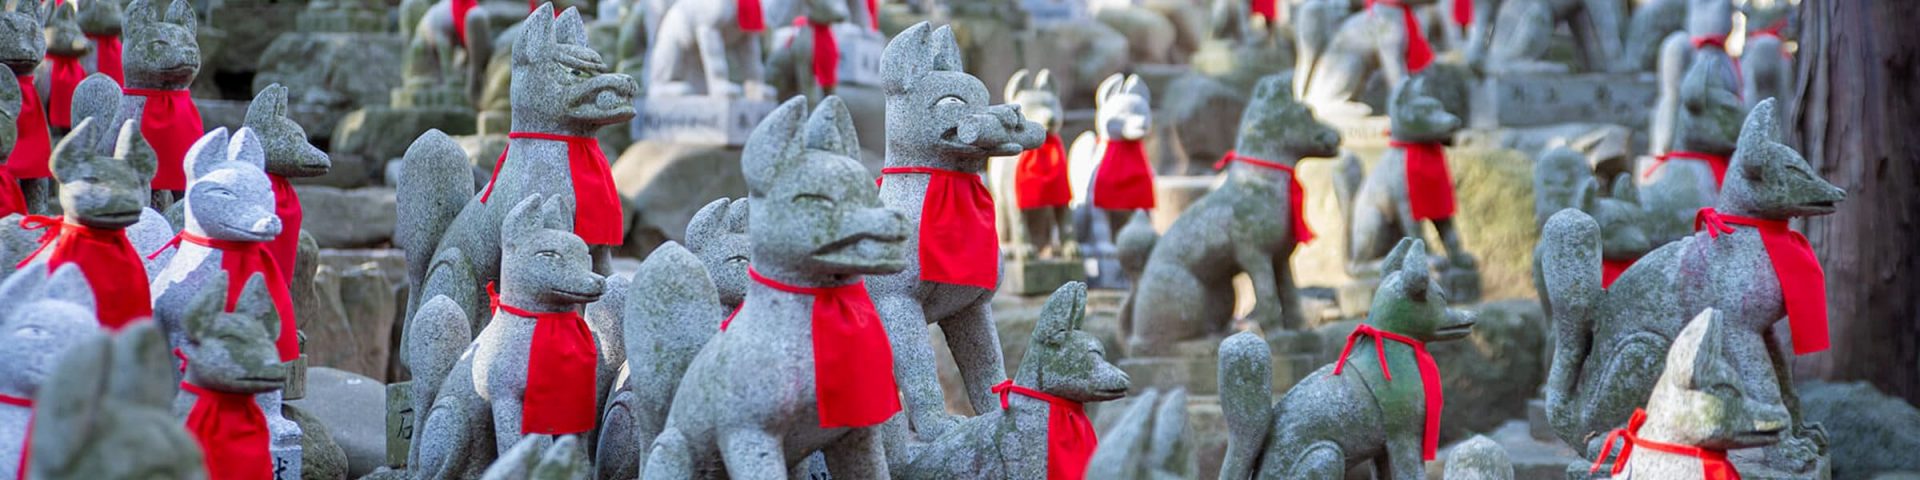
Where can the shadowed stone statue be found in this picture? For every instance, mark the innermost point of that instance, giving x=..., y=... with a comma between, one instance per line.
x=113, y=421
x=41, y=316
x=163, y=58
x=1522, y=29
x=1340, y=48
x=1046, y=229
x=22, y=46
x=1123, y=117
x=1383, y=207
x=697, y=46
x=792, y=65
x=113, y=148
x=718, y=235
x=1149, y=441
x=1707, y=119
x=1478, y=458
x=232, y=359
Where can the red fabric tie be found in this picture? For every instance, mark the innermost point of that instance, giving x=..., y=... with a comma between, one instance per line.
x=106, y=56
x=1803, y=285
x=1296, y=195
x=1429, y=185
x=12, y=200
x=286, y=204
x=26, y=444
x=1419, y=53
x=1718, y=163
x=1610, y=270
x=729, y=320
x=1124, y=180
x=826, y=52
x=171, y=123
x=596, y=210
x=873, y=14
x=232, y=432
x=1429, y=377
x=460, y=9
x=1267, y=9
x=562, y=365
x=34, y=145
x=958, y=244
x=241, y=260
x=111, y=265
x=1070, y=436
x=66, y=74
x=1721, y=43
x=1713, y=462
x=751, y=18
x=1040, y=178
x=852, y=361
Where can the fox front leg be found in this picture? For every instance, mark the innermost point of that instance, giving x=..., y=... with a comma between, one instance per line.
x=1805, y=442
x=753, y=454
x=506, y=423
x=712, y=47
x=1403, y=460
x=975, y=344
x=1258, y=265
x=1450, y=239
x=913, y=368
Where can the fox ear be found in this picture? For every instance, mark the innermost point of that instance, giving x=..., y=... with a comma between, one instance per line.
x=830, y=129
x=133, y=148
x=709, y=224
x=207, y=305
x=207, y=153
x=270, y=104
x=1014, y=85
x=1064, y=312
x=1625, y=190
x=1414, y=272
x=181, y=13
x=945, y=51
x=536, y=35
x=773, y=142
x=1139, y=88
x=245, y=148
x=1107, y=89
x=522, y=221
x=1758, y=131
x=68, y=285
x=144, y=367
x=1586, y=197
x=1043, y=81
x=256, y=303
x=1696, y=354
x=569, y=29
x=75, y=149
x=556, y=213
x=905, y=58
x=1397, y=256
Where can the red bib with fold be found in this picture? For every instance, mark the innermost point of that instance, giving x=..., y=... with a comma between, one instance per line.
x=1070, y=437
x=233, y=434
x=1296, y=195
x=66, y=73
x=873, y=14
x=1267, y=9
x=826, y=52
x=106, y=56
x=751, y=18
x=1713, y=462
x=1124, y=181
x=12, y=200
x=852, y=361
x=1419, y=53
x=562, y=364
x=111, y=265
x=1040, y=178
x=34, y=145
x=460, y=9
x=1429, y=185
x=26, y=444
x=958, y=244
x=170, y=123
x=596, y=204
x=1803, y=285
x=1429, y=378
x=286, y=204
x=241, y=260
x=1610, y=270
x=1718, y=163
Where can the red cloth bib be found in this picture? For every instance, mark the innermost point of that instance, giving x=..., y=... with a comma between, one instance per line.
x=1803, y=285
x=171, y=123
x=958, y=244
x=562, y=364
x=1717, y=162
x=12, y=200
x=460, y=9
x=826, y=52
x=1124, y=181
x=873, y=14
x=66, y=74
x=1267, y=9
x=1419, y=53
x=233, y=434
x=241, y=260
x=1429, y=377
x=1610, y=270
x=1429, y=185
x=1040, y=178
x=26, y=444
x=286, y=204
x=106, y=56
x=852, y=361
x=111, y=265
x=34, y=145
x=1296, y=195
x=1713, y=462
x=1070, y=436
x=596, y=205
x=751, y=17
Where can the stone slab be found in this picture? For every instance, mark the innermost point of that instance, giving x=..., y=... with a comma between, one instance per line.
x=1040, y=276
x=698, y=120
x=1049, y=12
x=1195, y=365
x=1357, y=129
x=399, y=423
x=860, y=50
x=1547, y=99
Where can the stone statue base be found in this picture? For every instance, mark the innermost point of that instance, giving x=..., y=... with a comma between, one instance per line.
x=1748, y=462
x=1359, y=126
x=1040, y=276
x=296, y=387
x=1547, y=99
x=1173, y=194
x=698, y=119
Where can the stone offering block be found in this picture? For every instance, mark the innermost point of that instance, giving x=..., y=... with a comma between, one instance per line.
x=698, y=120
x=1173, y=194
x=1048, y=12
x=1041, y=276
x=296, y=379
x=1546, y=99
x=860, y=49
x=399, y=423
x=1195, y=365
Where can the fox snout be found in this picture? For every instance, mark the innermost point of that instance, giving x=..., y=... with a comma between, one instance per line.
x=1454, y=325
x=1000, y=130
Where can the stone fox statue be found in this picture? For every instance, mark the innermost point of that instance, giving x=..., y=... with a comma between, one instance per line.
x=1403, y=191
x=562, y=93
x=820, y=378
x=941, y=131
x=231, y=362
x=1610, y=342
x=700, y=42
x=41, y=314
x=1249, y=224
x=718, y=235
x=1377, y=411
x=89, y=427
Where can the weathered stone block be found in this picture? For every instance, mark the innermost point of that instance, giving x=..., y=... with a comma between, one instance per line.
x=334, y=72
x=341, y=400
x=357, y=218
x=1546, y=99
x=1040, y=276
x=400, y=425
x=667, y=182
x=698, y=120
x=381, y=133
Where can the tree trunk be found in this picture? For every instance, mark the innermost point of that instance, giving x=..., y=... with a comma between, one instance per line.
x=1859, y=61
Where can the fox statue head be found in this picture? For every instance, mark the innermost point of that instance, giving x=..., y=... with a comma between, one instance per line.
x=113, y=418
x=1767, y=179
x=1701, y=400
x=162, y=51
x=101, y=17
x=1123, y=108
x=816, y=210
x=940, y=116
x=228, y=194
x=1414, y=116
x=560, y=84
x=64, y=36
x=20, y=23
x=42, y=315
x=1710, y=107
x=1038, y=99
x=234, y=351
x=718, y=235
x=1275, y=125
x=289, y=154
x=1065, y=361
x=1409, y=302
x=544, y=267
x=104, y=173
x=1623, y=221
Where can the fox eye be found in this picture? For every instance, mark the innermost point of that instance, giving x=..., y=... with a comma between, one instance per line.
x=30, y=331
x=812, y=199
x=578, y=73
x=550, y=254
x=950, y=100
x=221, y=192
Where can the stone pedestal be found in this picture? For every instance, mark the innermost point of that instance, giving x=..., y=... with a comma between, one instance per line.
x=296, y=380
x=1195, y=365
x=381, y=133
x=1032, y=277
x=698, y=120
x=1358, y=127
x=1547, y=99
x=400, y=423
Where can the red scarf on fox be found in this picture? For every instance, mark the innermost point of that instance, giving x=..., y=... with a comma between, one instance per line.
x=596, y=210
x=1713, y=462
x=233, y=432
x=460, y=9
x=1610, y=270
x=562, y=364
x=873, y=14
x=12, y=200
x=751, y=18
x=241, y=260
x=826, y=52
x=1429, y=377
x=1267, y=9
x=106, y=56
x=1070, y=436
x=286, y=204
x=1803, y=285
x=958, y=244
x=26, y=444
x=1429, y=185
x=66, y=74
x=1040, y=179
x=1419, y=52
x=1296, y=195
x=1718, y=163
x=34, y=145
x=852, y=361
x=111, y=265
x=1124, y=181
x=170, y=123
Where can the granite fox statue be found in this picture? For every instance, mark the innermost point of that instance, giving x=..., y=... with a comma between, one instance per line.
x=798, y=67
x=1067, y=367
x=1249, y=224
x=107, y=148
x=941, y=130
x=542, y=457
x=1707, y=127
x=87, y=427
x=1123, y=118
x=63, y=69
x=289, y=155
x=1606, y=338
x=675, y=301
x=101, y=22
x=718, y=235
x=1700, y=401
x=818, y=227
x=1330, y=422
x=231, y=362
x=1040, y=226
x=1766, y=67
x=44, y=316
x=22, y=47
x=1384, y=206
x=1562, y=180
x=697, y=47
x=1340, y=48
x=165, y=62
x=452, y=42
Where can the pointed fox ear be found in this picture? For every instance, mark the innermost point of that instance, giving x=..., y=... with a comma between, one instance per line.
x=75, y=149
x=19, y=288
x=1397, y=256
x=256, y=303
x=133, y=148
x=207, y=153
x=556, y=213
x=1043, y=81
x=830, y=129
x=775, y=141
x=1107, y=89
x=1625, y=190
x=70, y=286
x=569, y=29
x=1014, y=85
x=1137, y=87
x=63, y=13
x=1064, y=312
x=1586, y=196
x=1759, y=129
x=709, y=224
x=270, y=104
x=536, y=36
x=945, y=50
x=904, y=60
x=1414, y=272
x=181, y=13
x=523, y=221
x=1695, y=357
x=245, y=148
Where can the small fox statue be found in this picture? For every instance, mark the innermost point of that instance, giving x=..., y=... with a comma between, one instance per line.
x=1409, y=188
x=231, y=361
x=41, y=316
x=87, y=428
